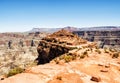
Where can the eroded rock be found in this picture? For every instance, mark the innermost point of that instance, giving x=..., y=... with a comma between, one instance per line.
x=95, y=78
x=57, y=44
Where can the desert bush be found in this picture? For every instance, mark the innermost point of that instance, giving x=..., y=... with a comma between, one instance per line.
x=91, y=49
x=84, y=47
x=80, y=48
x=106, y=50
x=67, y=58
x=84, y=54
x=15, y=71
x=112, y=50
x=115, y=55
x=31, y=64
x=98, y=51
x=57, y=59
x=88, y=49
x=96, y=47
x=72, y=48
x=61, y=57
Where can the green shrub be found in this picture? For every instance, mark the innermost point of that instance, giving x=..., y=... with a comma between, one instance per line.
x=67, y=58
x=15, y=71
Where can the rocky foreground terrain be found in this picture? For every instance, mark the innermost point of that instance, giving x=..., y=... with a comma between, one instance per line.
x=65, y=58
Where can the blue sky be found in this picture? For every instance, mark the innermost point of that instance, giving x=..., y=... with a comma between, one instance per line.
x=23, y=15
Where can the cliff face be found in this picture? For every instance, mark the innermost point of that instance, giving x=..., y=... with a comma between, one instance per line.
x=108, y=37
x=18, y=50
x=57, y=44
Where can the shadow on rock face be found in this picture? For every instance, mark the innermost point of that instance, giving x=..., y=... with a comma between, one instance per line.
x=48, y=53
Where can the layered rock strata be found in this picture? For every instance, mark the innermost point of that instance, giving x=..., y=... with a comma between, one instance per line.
x=57, y=44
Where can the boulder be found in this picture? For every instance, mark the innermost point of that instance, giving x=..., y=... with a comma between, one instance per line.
x=95, y=78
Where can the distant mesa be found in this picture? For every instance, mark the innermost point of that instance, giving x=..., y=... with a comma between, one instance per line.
x=101, y=28
x=71, y=29
x=47, y=30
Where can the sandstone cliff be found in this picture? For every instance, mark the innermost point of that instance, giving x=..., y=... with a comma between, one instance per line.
x=56, y=44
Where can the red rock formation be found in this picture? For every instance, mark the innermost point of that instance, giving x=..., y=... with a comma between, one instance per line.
x=57, y=44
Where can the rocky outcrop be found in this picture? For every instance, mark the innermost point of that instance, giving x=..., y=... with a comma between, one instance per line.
x=96, y=79
x=56, y=44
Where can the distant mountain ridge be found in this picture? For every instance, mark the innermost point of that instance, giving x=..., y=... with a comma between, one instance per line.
x=71, y=29
x=48, y=30
x=101, y=28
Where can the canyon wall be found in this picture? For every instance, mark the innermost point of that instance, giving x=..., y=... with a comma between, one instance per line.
x=109, y=38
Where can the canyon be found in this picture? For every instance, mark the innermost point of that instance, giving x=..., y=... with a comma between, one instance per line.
x=65, y=56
